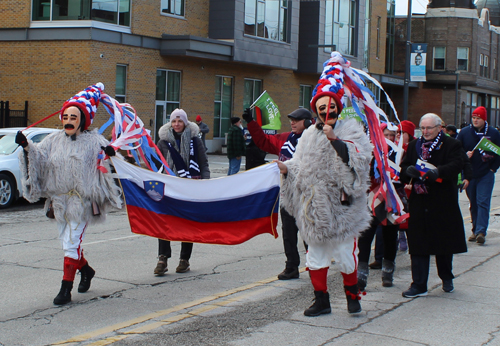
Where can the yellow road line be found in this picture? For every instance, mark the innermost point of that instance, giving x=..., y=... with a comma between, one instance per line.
x=169, y=320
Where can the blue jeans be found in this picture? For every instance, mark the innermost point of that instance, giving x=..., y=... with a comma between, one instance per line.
x=479, y=192
x=234, y=166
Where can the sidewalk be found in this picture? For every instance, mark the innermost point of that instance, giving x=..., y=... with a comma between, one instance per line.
x=468, y=316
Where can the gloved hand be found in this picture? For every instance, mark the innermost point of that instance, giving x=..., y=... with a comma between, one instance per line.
x=21, y=139
x=413, y=172
x=431, y=175
x=247, y=115
x=109, y=150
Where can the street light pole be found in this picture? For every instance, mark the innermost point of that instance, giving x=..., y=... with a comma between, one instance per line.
x=456, y=96
x=407, y=62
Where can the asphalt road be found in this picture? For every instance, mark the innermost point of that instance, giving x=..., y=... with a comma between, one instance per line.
x=230, y=296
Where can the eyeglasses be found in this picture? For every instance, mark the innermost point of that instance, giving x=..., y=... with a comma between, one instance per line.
x=425, y=128
x=293, y=120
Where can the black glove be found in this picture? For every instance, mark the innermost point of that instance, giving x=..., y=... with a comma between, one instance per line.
x=413, y=172
x=247, y=115
x=431, y=175
x=109, y=150
x=21, y=139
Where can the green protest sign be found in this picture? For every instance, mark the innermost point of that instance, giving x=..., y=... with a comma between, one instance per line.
x=487, y=145
x=267, y=112
x=349, y=112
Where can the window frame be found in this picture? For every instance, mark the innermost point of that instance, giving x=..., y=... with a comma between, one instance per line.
x=170, y=14
x=434, y=58
x=218, y=129
x=255, y=93
x=334, y=6
x=122, y=98
x=85, y=21
x=166, y=103
x=303, y=102
x=260, y=10
x=459, y=49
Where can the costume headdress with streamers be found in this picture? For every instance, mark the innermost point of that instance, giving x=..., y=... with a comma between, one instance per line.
x=128, y=133
x=87, y=101
x=338, y=79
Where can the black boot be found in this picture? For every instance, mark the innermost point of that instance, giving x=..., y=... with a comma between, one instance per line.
x=321, y=304
x=64, y=295
x=87, y=273
x=363, y=271
x=387, y=273
x=353, y=298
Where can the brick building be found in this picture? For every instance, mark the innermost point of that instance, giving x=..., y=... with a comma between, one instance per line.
x=462, y=60
x=211, y=58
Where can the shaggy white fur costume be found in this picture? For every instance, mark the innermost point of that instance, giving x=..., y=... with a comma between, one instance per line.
x=65, y=172
x=316, y=176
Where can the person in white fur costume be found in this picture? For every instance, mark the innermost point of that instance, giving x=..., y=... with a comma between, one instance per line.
x=63, y=168
x=325, y=187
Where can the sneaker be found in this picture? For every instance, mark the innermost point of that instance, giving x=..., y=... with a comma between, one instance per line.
x=183, y=266
x=161, y=267
x=375, y=265
x=413, y=292
x=472, y=237
x=289, y=273
x=480, y=238
x=448, y=286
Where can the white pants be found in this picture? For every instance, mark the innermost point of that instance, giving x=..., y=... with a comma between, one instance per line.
x=319, y=255
x=71, y=236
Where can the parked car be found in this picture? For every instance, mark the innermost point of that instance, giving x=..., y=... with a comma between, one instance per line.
x=10, y=174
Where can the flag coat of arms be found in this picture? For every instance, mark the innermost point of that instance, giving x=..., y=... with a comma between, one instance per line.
x=424, y=166
x=228, y=210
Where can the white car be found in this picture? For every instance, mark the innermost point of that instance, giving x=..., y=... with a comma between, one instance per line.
x=10, y=174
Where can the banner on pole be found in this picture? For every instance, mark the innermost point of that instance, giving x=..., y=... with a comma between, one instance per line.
x=488, y=145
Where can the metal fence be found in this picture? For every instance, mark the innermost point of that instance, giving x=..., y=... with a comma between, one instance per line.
x=13, y=118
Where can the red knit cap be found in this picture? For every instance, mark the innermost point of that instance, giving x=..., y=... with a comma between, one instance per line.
x=408, y=127
x=480, y=112
x=198, y=118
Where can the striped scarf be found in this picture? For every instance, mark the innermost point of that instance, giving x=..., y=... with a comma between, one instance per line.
x=288, y=149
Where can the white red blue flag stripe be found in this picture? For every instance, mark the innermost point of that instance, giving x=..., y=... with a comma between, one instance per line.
x=228, y=210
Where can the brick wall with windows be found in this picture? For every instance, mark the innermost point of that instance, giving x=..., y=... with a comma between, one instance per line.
x=147, y=19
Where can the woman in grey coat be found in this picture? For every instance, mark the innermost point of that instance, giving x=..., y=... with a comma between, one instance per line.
x=186, y=156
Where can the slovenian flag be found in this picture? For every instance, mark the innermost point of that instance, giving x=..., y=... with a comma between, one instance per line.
x=228, y=210
x=423, y=167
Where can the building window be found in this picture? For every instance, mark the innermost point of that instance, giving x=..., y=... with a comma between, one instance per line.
x=108, y=11
x=390, y=40
x=223, y=105
x=175, y=7
x=121, y=83
x=462, y=58
x=267, y=19
x=253, y=89
x=168, y=91
x=481, y=64
x=486, y=64
x=439, y=61
x=305, y=96
x=340, y=26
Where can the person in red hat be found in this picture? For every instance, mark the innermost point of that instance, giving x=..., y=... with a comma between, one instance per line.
x=484, y=166
x=203, y=129
x=62, y=168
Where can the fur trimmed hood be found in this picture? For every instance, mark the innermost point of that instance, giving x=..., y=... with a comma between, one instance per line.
x=163, y=132
x=316, y=178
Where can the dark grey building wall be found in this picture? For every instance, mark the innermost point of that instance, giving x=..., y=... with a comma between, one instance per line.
x=221, y=19
x=309, y=35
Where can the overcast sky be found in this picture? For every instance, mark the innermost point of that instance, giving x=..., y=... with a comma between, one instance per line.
x=418, y=6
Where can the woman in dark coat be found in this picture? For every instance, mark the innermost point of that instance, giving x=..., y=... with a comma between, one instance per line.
x=435, y=226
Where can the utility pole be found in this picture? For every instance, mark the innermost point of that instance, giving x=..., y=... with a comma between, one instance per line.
x=407, y=62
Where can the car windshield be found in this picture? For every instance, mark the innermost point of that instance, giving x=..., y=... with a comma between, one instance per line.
x=7, y=144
